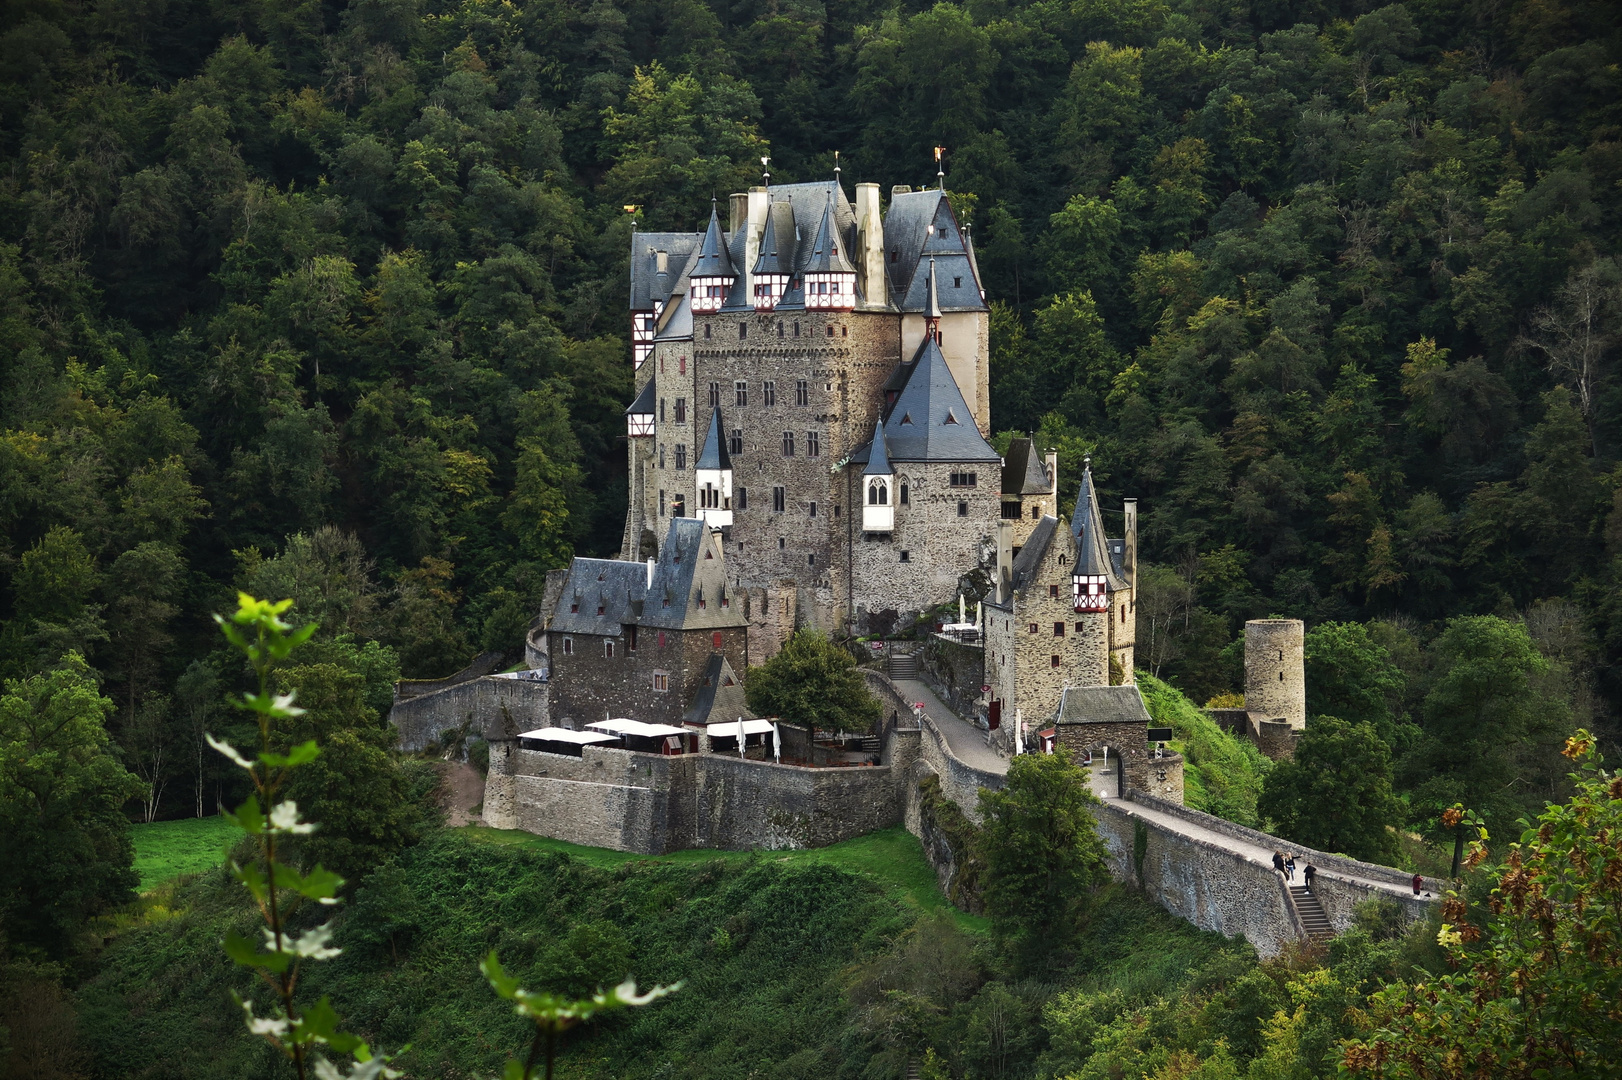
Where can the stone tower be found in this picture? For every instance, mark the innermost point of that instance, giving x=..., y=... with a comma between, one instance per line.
x=1275, y=671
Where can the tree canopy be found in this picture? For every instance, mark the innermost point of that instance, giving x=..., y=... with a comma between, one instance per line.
x=813, y=683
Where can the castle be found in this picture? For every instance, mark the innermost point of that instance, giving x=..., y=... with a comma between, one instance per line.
x=808, y=448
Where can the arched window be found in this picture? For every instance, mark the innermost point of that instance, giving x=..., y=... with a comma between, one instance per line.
x=878, y=493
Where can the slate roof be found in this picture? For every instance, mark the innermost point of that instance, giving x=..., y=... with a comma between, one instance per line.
x=647, y=284
x=1035, y=548
x=714, y=260
x=719, y=697
x=1023, y=470
x=878, y=458
x=681, y=577
x=1087, y=525
x=713, y=455
x=826, y=254
x=930, y=420
x=908, y=235
x=1103, y=705
x=676, y=324
x=775, y=258
x=644, y=400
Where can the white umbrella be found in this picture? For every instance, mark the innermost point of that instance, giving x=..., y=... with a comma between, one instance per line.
x=1019, y=732
x=740, y=736
x=961, y=614
x=777, y=743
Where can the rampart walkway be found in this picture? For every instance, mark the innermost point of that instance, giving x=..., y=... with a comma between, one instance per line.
x=1214, y=873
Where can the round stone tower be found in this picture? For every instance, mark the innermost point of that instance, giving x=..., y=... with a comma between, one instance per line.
x=1275, y=671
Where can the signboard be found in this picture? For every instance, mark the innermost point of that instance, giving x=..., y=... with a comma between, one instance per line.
x=1160, y=734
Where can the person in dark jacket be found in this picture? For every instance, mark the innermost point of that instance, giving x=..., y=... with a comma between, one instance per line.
x=1278, y=862
x=1289, y=866
x=1418, y=881
x=1309, y=873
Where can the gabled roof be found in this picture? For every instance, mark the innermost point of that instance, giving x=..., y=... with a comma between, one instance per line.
x=647, y=284
x=1023, y=470
x=930, y=421
x=644, y=400
x=775, y=258
x=611, y=584
x=713, y=454
x=878, y=458
x=920, y=224
x=1034, y=551
x=1087, y=526
x=682, y=576
x=1103, y=705
x=677, y=322
x=713, y=258
x=827, y=252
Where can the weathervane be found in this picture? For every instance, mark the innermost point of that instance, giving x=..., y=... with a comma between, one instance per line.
x=765, y=176
x=836, y=166
x=940, y=171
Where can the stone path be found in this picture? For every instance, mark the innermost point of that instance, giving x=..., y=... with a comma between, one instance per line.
x=967, y=741
x=968, y=744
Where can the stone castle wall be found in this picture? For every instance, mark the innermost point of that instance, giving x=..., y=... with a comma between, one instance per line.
x=955, y=672
x=494, y=707
x=589, y=686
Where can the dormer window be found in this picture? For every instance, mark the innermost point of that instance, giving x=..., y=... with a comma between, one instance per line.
x=830, y=291
x=951, y=417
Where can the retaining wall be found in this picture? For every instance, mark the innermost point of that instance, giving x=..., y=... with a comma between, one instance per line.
x=955, y=672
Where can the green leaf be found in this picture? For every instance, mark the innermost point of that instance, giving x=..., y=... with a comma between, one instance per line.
x=513, y=1071
x=249, y=817
x=302, y=754
x=503, y=984
x=253, y=879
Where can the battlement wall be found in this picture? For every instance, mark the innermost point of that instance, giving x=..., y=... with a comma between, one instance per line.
x=491, y=706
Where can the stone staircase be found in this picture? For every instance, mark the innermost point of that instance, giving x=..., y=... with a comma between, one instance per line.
x=903, y=666
x=914, y=1070
x=1312, y=914
x=870, y=744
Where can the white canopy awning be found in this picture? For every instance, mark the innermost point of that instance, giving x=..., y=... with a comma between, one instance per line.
x=557, y=734
x=729, y=728
x=625, y=726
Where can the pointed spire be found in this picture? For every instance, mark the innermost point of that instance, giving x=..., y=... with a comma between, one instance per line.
x=826, y=254
x=713, y=258
x=933, y=311
x=1087, y=525
x=713, y=454
x=878, y=459
x=770, y=262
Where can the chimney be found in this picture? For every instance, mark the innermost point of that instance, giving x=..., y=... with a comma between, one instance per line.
x=1053, y=477
x=650, y=574
x=739, y=204
x=899, y=189
x=1005, y=561
x=1131, y=554
x=758, y=202
x=870, y=239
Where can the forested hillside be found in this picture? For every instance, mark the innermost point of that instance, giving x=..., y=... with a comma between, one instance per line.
x=327, y=301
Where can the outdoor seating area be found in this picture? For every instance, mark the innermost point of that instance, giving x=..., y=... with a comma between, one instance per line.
x=648, y=738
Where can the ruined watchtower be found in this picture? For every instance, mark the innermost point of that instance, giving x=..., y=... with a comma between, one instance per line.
x=1276, y=683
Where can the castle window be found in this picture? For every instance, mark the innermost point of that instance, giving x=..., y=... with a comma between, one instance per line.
x=904, y=500
x=951, y=417
x=1078, y=628
x=844, y=331
x=1053, y=592
x=962, y=508
x=681, y=410
x=568, y=646
x=788, y=444
x=957, y=283
x=780, y=544
x=715, y=395
x=777, y=503
x=966, y=479
x=661, y=455
x=681, y=458
x=811, y=560
x=779, y=328
x=878, y=493
x=802, y=393
x=661, y=682
x=1055, y=661
x=678, y=506
x=706, y=337
x=1058, y=629
x=743, y=331
x=796, y=329
x=681, y=362
x=715, y=639
x=906, y=556
x=599, y=609
x=768, y=393
x=661, y=639
x=813, y=508
x=830, y=331
x=813, y=444
x=608, y=650
x=1034, y=628
x=1281, y=676
x=906, y=418
x=740, y=393
x=895, y=255
x=661, y=410
x=1061, y=560
x=1036, y=513
x=742, y=501
x=630, y=638
x=735, y=443
x=1123, y=614
x=1011, y=511
x=574, y=608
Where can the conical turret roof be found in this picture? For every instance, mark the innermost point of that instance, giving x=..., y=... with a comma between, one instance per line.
x=713, y=258
x=878, y=458
x=826, y=255
x=933, y=311
x=713, y=454
x=1087, y=525
x=771, y=261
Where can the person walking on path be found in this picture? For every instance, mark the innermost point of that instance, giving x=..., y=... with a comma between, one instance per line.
x=1278, y=862
x=1289, y=866
x=1308, y=874
x=1418, y=881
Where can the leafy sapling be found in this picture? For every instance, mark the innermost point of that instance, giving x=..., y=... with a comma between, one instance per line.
x=258, y=631
x=553, y=1015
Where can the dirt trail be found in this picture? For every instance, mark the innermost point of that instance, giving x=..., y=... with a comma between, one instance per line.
x=461, y=790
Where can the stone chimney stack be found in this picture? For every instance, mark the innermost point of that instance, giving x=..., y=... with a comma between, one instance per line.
x=870, y=238
x=1005, y=561
x=1131, y=558
x=758, y=202
x=738, y=203
x=1053, y=475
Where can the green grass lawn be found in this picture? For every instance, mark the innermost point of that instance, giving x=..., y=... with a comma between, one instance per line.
x=892, y=858
x=164, y=850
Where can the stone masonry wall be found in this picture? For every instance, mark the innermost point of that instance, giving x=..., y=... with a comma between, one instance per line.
x=940, y=545
x=956, y=672
x=1275, y=670
x=490, y=706
x=1123, y=631
x=587, y=684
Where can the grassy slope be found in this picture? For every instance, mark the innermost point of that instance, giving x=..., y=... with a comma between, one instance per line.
x=1222, y=774
x=165, y=850
x=759, y=938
